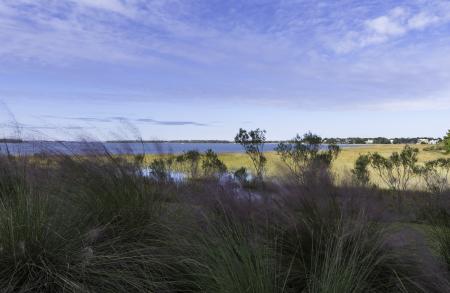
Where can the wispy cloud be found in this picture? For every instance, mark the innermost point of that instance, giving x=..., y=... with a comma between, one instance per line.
x=171, y=123
x=17, y=125
x=125, y=119
x=396, y=23
x=280, y=53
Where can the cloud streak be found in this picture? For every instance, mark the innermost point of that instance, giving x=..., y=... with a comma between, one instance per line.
x=135, y=120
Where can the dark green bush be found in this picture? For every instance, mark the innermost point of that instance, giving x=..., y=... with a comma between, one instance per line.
x=305, y=159
x=360, y=172
x=212, y=165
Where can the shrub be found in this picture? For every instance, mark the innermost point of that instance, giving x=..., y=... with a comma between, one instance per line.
x=447, y=141
x=159, y=170
x=241, y=175
x=435, y=174
x=398, y=169
x=212, y=165
x=360, y=172
x=190, y=161
x=253, y=143
x=303, y=157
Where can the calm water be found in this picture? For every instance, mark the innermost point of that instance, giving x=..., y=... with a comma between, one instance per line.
x=30, y=148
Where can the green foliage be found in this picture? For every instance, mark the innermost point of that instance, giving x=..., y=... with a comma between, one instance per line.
x=30, y=233
x=212, y=165
x=447, y=141
x=235, y=261
x=398, y=169
x=302, y=154
x=440, y=234
x=253, y=143
x=94, y=223
x=241, y=175
x=159, y=170
x=360, y=172
x=435, y=174
x=326, y=250
x=190, y=160
x=381, y=140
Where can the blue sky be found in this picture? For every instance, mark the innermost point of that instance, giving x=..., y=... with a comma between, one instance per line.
x=185, y=69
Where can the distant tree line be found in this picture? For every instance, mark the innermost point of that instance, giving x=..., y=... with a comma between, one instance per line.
x=376, y=140
x=10, y=140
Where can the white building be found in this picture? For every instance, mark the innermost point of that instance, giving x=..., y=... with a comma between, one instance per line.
x=369, y=141
x=427, y=141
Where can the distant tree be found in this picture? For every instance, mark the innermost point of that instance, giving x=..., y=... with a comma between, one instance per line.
x=303, y=154
x=381, y=140
x=10, y=140
x=398, y=169
x=253, y=143
x=360, y=172
x=212, y=165
x=357, y=140
x=404, y=140
x=331, y=140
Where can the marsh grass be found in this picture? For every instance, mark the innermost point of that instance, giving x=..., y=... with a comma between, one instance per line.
x=340, y=167
x=95, y=223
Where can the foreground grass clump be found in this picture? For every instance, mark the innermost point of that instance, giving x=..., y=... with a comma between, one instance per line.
x=99, y=223
x=32, y=232
x=328, y=246
x=440, y=232
x=89, y=225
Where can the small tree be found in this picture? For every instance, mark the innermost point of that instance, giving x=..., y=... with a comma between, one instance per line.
x=212, y=165
x=361, y=174
x=303, y=154
x=447, y=141
x=435, y=174
x=190, y=160
x=161, y=169
x=253, y=143
x=398, y=169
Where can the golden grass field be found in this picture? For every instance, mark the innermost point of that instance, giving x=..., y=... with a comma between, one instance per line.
x=341, y=166
x=345, y=161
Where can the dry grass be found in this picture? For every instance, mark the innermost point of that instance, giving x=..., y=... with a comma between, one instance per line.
x=343, y=164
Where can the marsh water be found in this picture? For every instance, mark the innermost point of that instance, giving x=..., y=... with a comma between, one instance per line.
x=31, y=148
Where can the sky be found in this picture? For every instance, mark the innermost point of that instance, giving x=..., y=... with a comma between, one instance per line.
x=201, y=69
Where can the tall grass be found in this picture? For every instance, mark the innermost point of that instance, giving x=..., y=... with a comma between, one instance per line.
x=328, y=248
x=96, y=223
x=441, y=235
